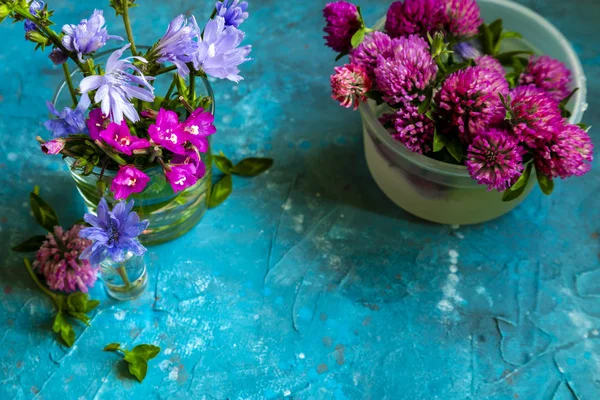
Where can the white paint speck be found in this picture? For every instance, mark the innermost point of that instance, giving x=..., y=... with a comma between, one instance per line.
x=287, y=206
x=164, y=365
x=445, y=306
x=455, y=227
x=167, y=352
x=301, y=356
x=227, y=118
x=120, y=315
x=595, y=332
x=256, y=317
x=12, y=156
x=460, y=235
x=174, y=374
x=453, y=268
x=286, y=393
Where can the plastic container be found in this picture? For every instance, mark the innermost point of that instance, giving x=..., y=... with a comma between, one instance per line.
x=446, y=193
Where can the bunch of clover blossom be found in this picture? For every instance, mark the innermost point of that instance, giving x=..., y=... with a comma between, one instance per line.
x=454, y=96
x=118, y=121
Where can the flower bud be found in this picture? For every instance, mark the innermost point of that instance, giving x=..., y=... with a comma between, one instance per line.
x=37, y=37
x=54, y=146
x=57, y=56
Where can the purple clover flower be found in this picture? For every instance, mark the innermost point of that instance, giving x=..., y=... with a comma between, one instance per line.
x=168, y=131
x=342, y=22
x=198, y=127
x=119, y=137
x=181, y=176
x=128, y=180
x=469, y=101
x=34, y=7
x=415, y=17
x=569, y=151
x=366, y=54
x=96, y=123
x=349, y=85
x=87, y=37
x=53, y=147
x=491, y=63
x=179, y=45
x=117, y=87
x=60, y=261
x=191, y=157
x=232, y=11
x=114, y=234
x=494, y=158
x=463, y=18
x=535, y=114
x=548, y=74
x=408, y=72
x=218, y=53
x=69, y=121
x=410, y=128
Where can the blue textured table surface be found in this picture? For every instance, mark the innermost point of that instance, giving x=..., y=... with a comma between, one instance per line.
x=308, y=282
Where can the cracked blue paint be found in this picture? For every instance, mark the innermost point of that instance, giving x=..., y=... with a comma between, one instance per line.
x=308, y=283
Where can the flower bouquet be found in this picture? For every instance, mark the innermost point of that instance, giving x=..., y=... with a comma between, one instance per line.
x=140, y=119
x=451, y=105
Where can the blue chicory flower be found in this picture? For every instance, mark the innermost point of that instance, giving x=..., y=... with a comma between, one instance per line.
x=218, y=52
x=179, y=44
x=232, y=11
x=34, y=7
x=69, y=121
x=87, y=37
x=117, y=87
x=114, y=234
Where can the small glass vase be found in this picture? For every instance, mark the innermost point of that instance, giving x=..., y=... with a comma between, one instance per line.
x=124, y=280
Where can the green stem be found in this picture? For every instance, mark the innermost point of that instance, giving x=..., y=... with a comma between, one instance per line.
x=169, y=91
x=123, y=274
x=165, y=70
x=29, y=268
x=127, y=23
x=70, y=83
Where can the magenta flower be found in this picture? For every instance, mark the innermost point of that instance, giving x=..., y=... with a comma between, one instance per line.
x=96, y=123
x=129, y=180
x=342, y=23
x=567, y=152
x=119, y=137
x=415, y=17
x=349, y=85
x=181, y=176
x=463, y=18
x=548, y=74
x=490, y=62
x=366, y=54
x=495, y=158
x=191, y=157
x=59, y=261
x=535, y=114
x=410, y=128
x=168, y=132
x=199, y=126
x=54, y=146
x=468, y=100
x=405, y=75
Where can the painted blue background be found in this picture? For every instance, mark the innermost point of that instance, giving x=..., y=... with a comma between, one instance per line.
x=309, y=283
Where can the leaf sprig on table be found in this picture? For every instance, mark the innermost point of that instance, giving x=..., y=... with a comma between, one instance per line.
x=136, y=358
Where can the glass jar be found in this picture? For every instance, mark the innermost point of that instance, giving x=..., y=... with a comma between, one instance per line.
x=170, y=214
x=124, y=280
x=446, y=193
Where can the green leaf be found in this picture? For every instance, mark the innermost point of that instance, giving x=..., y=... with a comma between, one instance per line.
x=252, y=166
x=519, y=187
x=506, y=58
x=458, y=66
x=81, y=317
x=424, y=106
x=31, y=244
x=358, y=37
x=456, y=149
x=112, y=347
x=486, y=38
x=221, y=191
x=62, y=326
x=545, y=183
x=145, y=351
x=439, y=141
x=223, y=163
x=341, y=55
x=43, y=213
x=375, y=95
x=4, y=11
x=76, y=302
x=563, y=104
x=91, y=304
x=138, y=368
x=510, y=35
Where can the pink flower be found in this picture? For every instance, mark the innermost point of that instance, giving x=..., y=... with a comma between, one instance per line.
x=168, y=132
x=490, y=62
x=198, y=127
x=404, y=76
x=468, y=100
x=53, y=146
x=366, y=54
x=567, y=152
x=409, y=127
x=415, y=17
x=535, y=114
x=181, y=176
x=349, y=85
x=495, y=158
x=129, y=180
x=58, y=260
x=191, y=157
x=96, y=123
x=463, y=18
x=119, y=137
x=341, y=24
x=548, y=74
